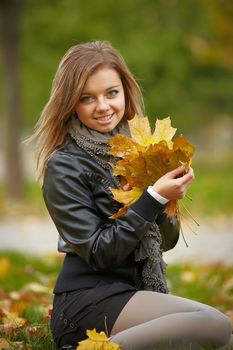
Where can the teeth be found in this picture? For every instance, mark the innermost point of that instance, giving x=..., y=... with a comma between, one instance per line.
x=105, y=118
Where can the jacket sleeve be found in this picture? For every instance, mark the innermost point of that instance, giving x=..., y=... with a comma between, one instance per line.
x=101, y=243
x=169, y=229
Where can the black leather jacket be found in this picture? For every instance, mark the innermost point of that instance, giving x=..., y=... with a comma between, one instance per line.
x=77, y=195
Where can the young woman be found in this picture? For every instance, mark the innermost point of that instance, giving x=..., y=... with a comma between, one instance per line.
x=113, y=275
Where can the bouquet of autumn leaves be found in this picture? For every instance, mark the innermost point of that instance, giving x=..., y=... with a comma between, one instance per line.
x=145, y=157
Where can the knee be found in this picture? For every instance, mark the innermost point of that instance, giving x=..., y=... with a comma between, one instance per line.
x=219, y=327
x=225, y=329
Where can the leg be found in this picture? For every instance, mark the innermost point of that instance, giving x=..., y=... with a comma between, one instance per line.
x=228, y=346
x=154, y=320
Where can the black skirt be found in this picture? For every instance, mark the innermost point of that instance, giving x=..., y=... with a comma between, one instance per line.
x=76, y=311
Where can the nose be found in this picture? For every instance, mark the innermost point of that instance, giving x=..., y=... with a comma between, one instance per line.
x=102, y=105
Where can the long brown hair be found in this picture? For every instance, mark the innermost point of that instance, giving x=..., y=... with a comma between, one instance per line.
x=79, y=62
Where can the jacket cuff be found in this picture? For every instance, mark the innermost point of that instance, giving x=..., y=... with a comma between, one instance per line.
x=147, y=207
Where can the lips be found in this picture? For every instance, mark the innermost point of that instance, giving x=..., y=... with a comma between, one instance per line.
x=105, y=118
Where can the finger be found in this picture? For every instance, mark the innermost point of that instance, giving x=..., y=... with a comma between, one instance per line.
x=191, y=171
x=186, y=179
x=127, y=187
x=176, y=172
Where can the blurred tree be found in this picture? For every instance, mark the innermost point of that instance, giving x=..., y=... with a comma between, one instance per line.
x=157, y=39
x=217, y=47
x=10, y=18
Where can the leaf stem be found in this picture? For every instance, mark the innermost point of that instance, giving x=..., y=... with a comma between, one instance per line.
x=182, y=233
x=188, y=197
x=190, y=214
x=187, y=224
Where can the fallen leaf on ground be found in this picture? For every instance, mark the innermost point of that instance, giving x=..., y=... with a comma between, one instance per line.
x=4, y=344
x=12, y=319
x=97, y=341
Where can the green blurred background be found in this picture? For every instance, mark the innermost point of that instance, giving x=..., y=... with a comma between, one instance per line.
x=181, y=53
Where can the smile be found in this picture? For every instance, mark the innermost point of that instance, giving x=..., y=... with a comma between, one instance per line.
x=105, y=118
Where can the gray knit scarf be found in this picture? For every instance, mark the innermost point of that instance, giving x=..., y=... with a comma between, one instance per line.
x=148, y=251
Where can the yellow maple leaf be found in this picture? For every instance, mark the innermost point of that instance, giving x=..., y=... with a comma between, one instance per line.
x=125, y=197
x=97, y=341
x=163, y=132
x=140, y=129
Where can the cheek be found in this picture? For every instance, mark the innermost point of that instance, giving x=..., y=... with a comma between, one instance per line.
x=122, y=103
x=81, y=111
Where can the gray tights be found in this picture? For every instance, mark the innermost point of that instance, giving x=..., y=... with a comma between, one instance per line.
x=153, y=320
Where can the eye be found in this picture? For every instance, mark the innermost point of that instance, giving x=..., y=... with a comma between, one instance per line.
x=86, y=99
x=112, y=93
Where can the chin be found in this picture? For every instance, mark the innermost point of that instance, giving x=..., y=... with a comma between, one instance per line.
x=107, y=128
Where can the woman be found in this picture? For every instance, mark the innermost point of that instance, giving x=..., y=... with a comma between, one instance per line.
x=110, y=280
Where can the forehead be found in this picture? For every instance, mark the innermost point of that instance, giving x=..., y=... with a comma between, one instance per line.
x=102, y=79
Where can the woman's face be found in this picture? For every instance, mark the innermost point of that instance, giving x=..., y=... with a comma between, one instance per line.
x=101, y=105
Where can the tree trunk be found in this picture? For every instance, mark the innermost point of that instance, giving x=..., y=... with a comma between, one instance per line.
x=10, y=17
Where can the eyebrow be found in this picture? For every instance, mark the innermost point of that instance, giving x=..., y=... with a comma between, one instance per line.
x=110, y=88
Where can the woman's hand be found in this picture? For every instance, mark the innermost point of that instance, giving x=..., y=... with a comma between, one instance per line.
x=127, y=187
x=174, y=184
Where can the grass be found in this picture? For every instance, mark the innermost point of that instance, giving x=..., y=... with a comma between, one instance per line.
x=27, y=283
x=209, y=284
x=212, y=192
x=21, y=269
x=26, y=293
